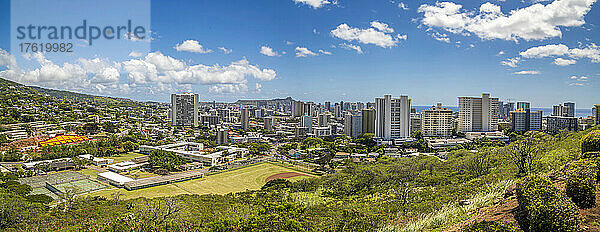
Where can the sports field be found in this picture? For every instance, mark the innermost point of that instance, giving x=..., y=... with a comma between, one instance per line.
x=252, y=177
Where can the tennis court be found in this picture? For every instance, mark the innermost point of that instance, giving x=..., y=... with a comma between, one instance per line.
x=79, y=187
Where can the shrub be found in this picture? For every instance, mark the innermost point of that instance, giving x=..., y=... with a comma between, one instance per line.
x=544, y=207
x=591, y=142
x=595, y=157
x=581, y=182
x=490, y=226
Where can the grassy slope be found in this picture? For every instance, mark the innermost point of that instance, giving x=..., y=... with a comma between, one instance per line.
x=252, y=177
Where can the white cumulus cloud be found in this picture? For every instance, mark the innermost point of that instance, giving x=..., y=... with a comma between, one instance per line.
x=191, y=46
x=315, y=3
x=564, y=62
x=535, y=22
x=267, y=51
x=378, y=34
x=304, y=52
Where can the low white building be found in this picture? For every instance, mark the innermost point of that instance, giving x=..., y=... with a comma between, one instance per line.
x=114, y=178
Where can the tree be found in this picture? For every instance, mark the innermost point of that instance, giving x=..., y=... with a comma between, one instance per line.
x=524, y=154
x=165, y=160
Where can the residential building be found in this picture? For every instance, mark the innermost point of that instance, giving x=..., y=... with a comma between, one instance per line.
x=392, y=117
x=555, y=124
x=245, y=118
x=268, y=123
x=184, y=108
x=596, y=114
x=525, y=120
x=561, y=111
x=523, y=106
x=368, y=121
x=477, y=114
x=306, y=121
x=353, y=125
x=436, y=121
x=570, y=109
x=297, y=108
x=323, y=119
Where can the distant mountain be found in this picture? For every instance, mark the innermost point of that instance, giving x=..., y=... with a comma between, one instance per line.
x=285, y=101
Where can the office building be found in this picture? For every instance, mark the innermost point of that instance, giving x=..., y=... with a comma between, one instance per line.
x=245, y=118
x=436, y=121
x=368, y=121
x=184, y=108
x=555, y=124
x=353, y=125
x=392, y=117
x=477, y=114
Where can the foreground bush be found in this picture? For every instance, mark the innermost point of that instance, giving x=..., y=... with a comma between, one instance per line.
x=594, y=157
x=591, y=142
x=490, y=226
x=544, y=207
x=581, y=182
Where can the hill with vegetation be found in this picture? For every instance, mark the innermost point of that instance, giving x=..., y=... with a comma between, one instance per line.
x=421, y=193
x=20, y=103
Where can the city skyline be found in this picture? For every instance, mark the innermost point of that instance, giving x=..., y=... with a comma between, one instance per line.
x=312, y=51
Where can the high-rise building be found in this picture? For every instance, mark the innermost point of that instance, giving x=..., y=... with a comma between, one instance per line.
x=523, y=106
x=224, y=115
x=436, y=121
x=526, y=120
x=519, y=120
x=222, y=136
x=508, y=107
x=297, y=108
x=323, y=119
x=268, y=123
x=328, y=106
x=306, y=121
x=561, y=110
x=392, y=117
x=555, y=124
x=535, y=120
x=209, y=120
x=368, y=121
x=570, y=109
x=184, y=108
x=500, y=109
x=596, y=114
x=245, y=118
x=338, y=111
x=352, y=125
x=477, y=114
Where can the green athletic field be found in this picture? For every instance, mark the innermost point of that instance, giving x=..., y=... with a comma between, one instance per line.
x=252, y=177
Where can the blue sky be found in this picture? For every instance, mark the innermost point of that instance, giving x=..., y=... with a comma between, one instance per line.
x=436, y=52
